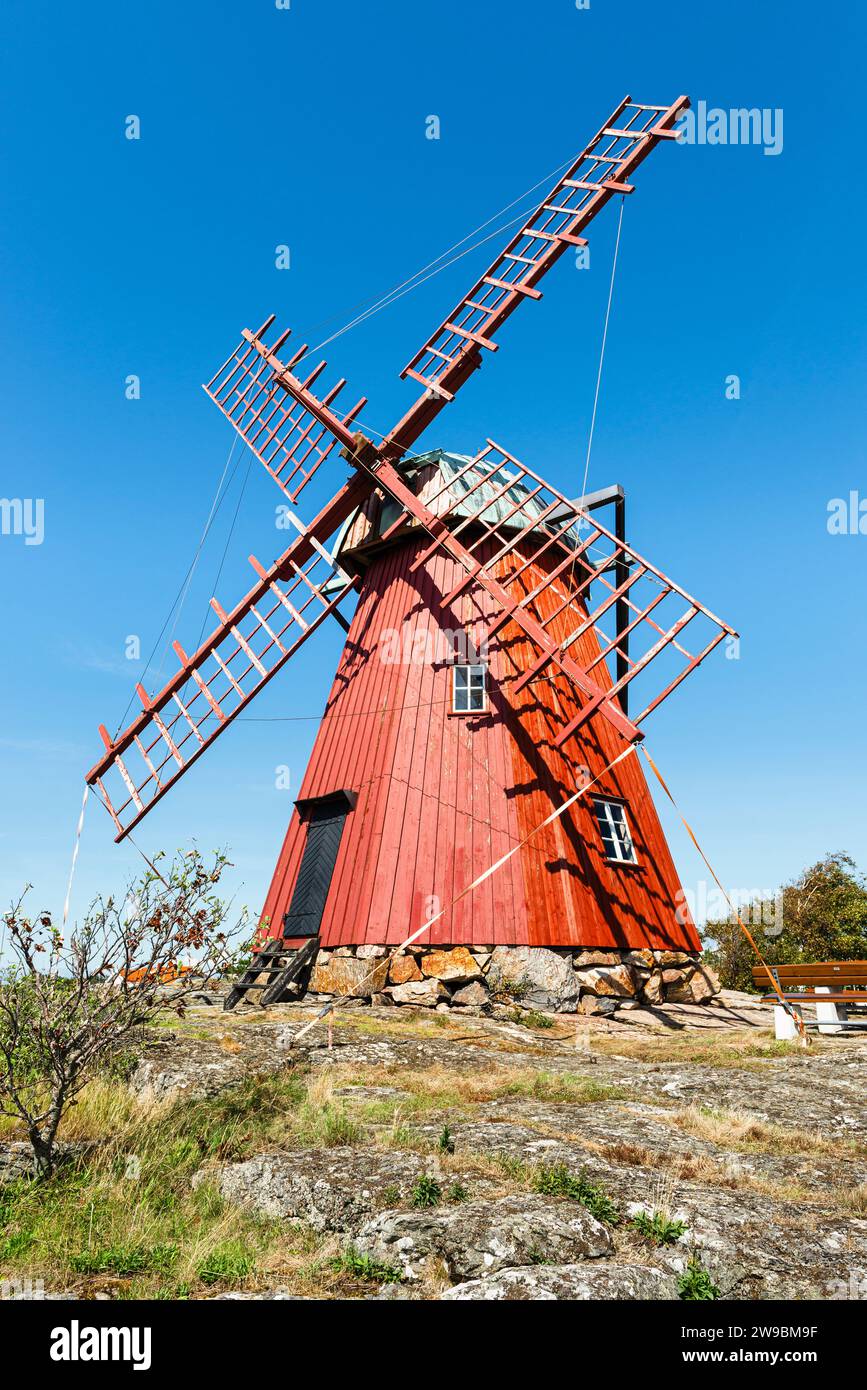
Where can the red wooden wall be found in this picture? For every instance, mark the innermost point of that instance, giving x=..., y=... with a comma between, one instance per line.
x=441, y=797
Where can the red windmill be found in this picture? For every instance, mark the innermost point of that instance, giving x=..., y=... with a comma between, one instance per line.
x=497, y=631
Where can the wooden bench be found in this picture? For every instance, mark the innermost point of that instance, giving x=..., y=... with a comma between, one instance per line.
x=838, y=989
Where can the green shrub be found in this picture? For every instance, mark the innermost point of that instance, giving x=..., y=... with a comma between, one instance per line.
x=658, y=1227
x=696, y=1283
x=557, y=1181
x=426, y=1192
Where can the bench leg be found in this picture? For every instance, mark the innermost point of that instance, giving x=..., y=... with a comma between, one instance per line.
x=829, y=1016
x=784, y=1025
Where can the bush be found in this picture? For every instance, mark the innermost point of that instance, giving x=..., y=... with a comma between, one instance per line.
x=557, y=1181
x=70, y=1005
x=695, y=1284
x=658, y=1227
x=426, y=1192
x=822, y=915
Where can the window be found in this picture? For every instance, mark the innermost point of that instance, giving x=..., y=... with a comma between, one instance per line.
x=614, y=830
x=468, y=689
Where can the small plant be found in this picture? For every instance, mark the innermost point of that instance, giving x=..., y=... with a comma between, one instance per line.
x=457, y=1193
x=658, y=1227
x=515, y=990
x=446, y=1141
x=365, y=1267
x=513, y=1167
x=696, y=1284
x=391, y=1195
x=531, y=1018
x=557, y=1181
x=226, y=1264
x=426, y=1192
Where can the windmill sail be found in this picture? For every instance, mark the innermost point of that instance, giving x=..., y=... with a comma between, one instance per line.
x=599, y=173
x=500, y=520
x=290, y=430
x=210, y=689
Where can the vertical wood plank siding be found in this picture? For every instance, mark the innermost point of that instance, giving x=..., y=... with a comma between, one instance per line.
x=440, y=797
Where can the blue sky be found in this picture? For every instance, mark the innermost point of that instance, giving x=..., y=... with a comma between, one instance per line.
x=306, y=127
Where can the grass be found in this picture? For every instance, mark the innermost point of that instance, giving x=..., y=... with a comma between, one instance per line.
x=531, y=1018
x=153, y=1234
x=364, y=1267
x=746, y=1134
x=750, y=1050
x=437, y=1087
x=229, y=1263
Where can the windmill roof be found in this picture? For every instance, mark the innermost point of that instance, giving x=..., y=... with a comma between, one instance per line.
x=442, y=480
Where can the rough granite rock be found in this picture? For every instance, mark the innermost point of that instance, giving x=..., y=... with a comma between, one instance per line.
x=402, y=970
x=17, y=1160
x=652, y=989
x=678, y=986
x=582, y=1282
x=591, y=1004
x=345, y=975
x=475, y=1239
x=547, y=981
x=456, y=966
x=617, y=981
x=423, y=992
x=331, y=1189
x=641, y=958
x=595, y=957
x=474, y=995
x=704, y=984
x=665, y=958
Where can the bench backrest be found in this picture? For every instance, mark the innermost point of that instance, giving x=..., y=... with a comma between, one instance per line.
x=844, y=972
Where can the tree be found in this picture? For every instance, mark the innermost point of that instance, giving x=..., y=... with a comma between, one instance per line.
x=821, y=915
x=67, y=1005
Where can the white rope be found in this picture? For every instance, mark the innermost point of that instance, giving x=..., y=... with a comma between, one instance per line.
x=191, y=571
x=427, y=272
x=602, y=352
x=75, y=849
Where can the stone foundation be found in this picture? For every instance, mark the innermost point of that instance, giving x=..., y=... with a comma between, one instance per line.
x=592, y=981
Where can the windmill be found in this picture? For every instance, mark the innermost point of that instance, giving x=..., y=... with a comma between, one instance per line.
x=436, y=757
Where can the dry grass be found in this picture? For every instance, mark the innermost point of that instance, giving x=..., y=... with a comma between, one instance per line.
x=745, y=1134
x=749, y=1050
x=125, y=1217
x=438, y=1087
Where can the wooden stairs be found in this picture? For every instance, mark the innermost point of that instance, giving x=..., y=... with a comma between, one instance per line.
x=273, y=969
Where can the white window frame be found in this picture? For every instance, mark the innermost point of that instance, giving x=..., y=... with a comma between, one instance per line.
x=475, y=670
x=619, y=833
